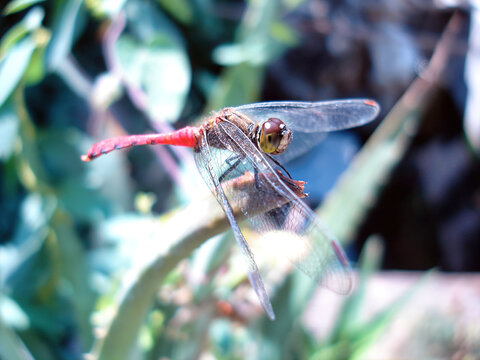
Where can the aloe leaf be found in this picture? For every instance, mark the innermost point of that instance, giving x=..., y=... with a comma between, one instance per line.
x=62, y=33
x=121, y=338
x=19, y=5
x=13, y=66
x=11, y=346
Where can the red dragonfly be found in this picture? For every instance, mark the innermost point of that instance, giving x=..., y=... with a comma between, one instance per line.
x=256, y=139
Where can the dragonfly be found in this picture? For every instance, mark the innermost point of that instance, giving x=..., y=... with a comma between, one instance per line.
x=257, y=139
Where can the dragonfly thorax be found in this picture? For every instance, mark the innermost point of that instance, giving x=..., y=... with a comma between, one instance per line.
x=271, y=136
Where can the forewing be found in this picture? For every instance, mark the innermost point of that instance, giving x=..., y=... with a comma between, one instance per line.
x=210, y=166
x=310, y=121
x=274, y=211
x=322, y=116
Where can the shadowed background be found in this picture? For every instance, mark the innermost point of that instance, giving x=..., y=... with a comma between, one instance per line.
x=86, y=260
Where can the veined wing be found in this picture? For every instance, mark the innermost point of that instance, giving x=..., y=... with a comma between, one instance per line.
x=207, y=163
x=310, y=121
x=272, y=210
x=321, y=116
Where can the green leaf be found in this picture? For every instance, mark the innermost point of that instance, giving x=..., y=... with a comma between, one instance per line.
x=240, y=84
x=75, y=273
x=106, y=8
x=13, y=66
x=289, y=302
x=349, y=317
x=206, y=261
x=36, y=212
x=181, y=10
x=81, y=202
x=257, y=43
x=369, y=332
x=183, y=237
x=31, y=21
x=11, y=346
x=62, y=32
x=153, y=61
x=8, y=130
x=161, y=69
x=256, y=49
x=11, y=313
x=36, y=70
x=284, y=33
x=255, y=53
x=19, y=5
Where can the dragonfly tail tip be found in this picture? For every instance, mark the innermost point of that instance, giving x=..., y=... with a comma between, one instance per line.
x=85, y=158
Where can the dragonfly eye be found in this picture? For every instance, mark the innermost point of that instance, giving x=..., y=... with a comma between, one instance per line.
x=273, y=136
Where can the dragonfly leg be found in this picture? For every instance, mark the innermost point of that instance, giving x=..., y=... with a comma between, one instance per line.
x=232, y=158
x=233, y=161
x=279, y=165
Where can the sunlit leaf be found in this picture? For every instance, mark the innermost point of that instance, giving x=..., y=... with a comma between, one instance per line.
x=16, y=50
x=62, y=32
x=161, y=69
x=31, y=21
x=13, y=65
x=238, y=85
x=12, y=314
x=12, y=346
x=19, y=5
x=109, y=8
x=283, y=33
x=106, y=90
x=36, y=70
x=180, y=9
x=35, y=214
x=154, y=61
x=247, y=57
x=251, y=52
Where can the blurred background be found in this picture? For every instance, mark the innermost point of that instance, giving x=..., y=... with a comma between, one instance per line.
x=87, y=268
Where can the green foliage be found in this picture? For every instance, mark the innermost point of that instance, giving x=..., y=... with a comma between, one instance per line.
x=351, y=337
x=19, y=5
x=63, y=30
x=17, y=48
x=155, y=51
x=80, y=270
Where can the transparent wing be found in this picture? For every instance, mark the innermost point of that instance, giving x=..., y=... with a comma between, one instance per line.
x=208, y=167
x=322, y=116
x=309, y=121
x=271, y=208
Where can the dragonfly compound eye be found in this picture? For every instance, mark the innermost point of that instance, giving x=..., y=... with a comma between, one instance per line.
x=273, y=136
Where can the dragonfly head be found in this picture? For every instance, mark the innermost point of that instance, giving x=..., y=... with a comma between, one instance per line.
x=272, y=136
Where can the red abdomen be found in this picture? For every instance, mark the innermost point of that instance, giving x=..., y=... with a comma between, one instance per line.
x=186, y=136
